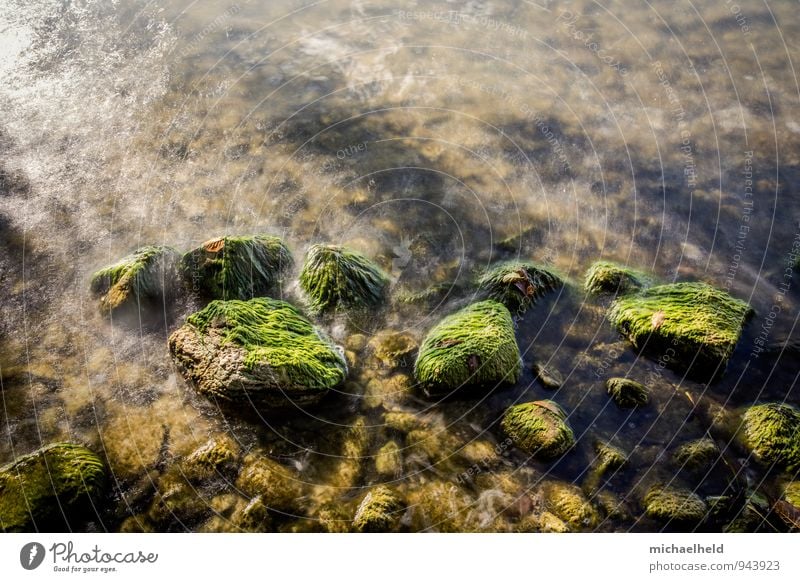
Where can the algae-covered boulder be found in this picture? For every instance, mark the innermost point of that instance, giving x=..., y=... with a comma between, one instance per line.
x=771, y=432
x=568, y=503
x=275, y=486
x=607, y=277
x=791, y=493
x=38, y=491
x=380, y=511
x=692, y=327
x=674, y=504
x=518, y=285
x=472, y=347
x=627, y=393
x=696, y=455
x=335, y=278
x=539, y=428
x=261, y=351
x=144, y=278
x=608, y=458
x=237, y=267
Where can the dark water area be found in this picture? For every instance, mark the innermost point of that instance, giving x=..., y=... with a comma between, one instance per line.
x=437, y=139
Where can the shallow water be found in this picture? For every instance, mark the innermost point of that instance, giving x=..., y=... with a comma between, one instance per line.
x=422, y=135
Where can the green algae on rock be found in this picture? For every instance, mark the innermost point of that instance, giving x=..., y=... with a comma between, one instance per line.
x=278, y=489
x=608, y=458
x=697, y=454
x=335, y=278
x=261, y=351
x=472, y=347
x=143, y=278
x=771, y=432
x=539, y=428
x=627, y=393
x=568, y=503
x=518, y=285
x=692, y=327
x=237, y=267
x=379, y=512
x=608, y=277
x=674, y=504
x=49, y=485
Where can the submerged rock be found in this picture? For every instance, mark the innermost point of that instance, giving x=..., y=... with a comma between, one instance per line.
x=240, y=267
x=271, y=482
x=674, y=504
x=539, y=428
x=54, y=483
x=335, y=278
x=771, y=432
x=472, y=347
x=697, y=454
x=393, y=349
x=389, y=460
x=380, y=511
x=518, y=285
x=608, y=458
x=568, y=503
x=261, y=351
x=791, y=493
x=692, y=327
x=548, y=376
x=627, y=393
x=143, y=278
x=217, y=457
x=608, y=277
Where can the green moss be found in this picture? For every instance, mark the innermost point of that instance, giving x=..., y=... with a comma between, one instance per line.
x=262, y=350
x=539, y=428
x=389, y=460
x=35, y=489
x=674, y=504
x=240, y=267
x=518, y=285
x=277, y=488
x=697, y=454
x=335, y=278
x=692, y=326
x=568, y=503
x=772, y=433
x=607, y=277
x=144, y=277
x=472, y=347
x=380, y=511
x=627, y=393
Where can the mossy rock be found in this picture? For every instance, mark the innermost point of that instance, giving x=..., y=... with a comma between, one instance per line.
x=608, y=277
x=217, y=457
x=568, y=503
x=379, y=512
x=261, y=351
x=539, y=428
x=696, y=455
x=389, y=460
x=692, y=327
x=608, y=458
x=177, y=502
x=41, y=490
x=791, y=493
x=474, y=347
x=335, y=278
x=627, y=393
x=145, y=278
x=271, y=482
x=237, y=267
x=393, y=349
x=439, y=506
x=671, y=504
x=518, y=285
x=771, y=432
